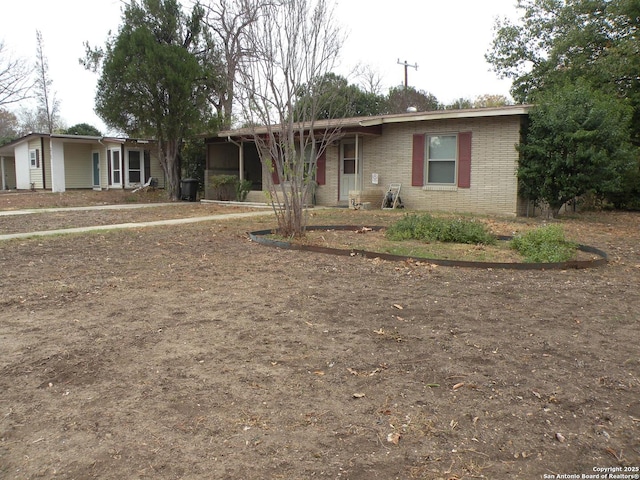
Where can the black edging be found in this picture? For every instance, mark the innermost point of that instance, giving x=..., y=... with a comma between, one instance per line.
x=258, y=236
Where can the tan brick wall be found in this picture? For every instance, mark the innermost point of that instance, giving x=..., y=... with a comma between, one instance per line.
x=493, y=167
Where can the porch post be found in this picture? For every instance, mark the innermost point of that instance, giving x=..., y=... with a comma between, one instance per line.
x=358, y=182
x=4, y=183
x=241, y=159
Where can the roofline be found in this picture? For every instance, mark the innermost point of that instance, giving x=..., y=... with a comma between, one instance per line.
x=448, y=114
x=379, y=120
x=65, y=136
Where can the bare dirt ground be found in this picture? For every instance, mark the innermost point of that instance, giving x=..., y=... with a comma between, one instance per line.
x=189, y=352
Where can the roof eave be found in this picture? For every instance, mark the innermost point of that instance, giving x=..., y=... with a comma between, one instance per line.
x=448, y=114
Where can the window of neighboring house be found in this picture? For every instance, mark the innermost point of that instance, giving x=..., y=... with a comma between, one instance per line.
x=442, y=152
x=135, y=166
x=116, y=168
x=34, y=158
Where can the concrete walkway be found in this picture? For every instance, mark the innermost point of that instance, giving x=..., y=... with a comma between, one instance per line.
x=156, y=223
x=28, y=211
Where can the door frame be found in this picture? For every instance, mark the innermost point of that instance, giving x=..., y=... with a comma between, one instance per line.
x=95, y=169
x=111, y=157
x=358, y=167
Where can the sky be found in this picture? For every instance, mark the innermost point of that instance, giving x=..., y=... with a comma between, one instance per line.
x=446, y=39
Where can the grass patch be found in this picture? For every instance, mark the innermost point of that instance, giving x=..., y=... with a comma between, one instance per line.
x=431, y=229
x=544, y=245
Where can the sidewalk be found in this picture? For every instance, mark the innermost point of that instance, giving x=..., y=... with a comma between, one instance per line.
x=177, y=221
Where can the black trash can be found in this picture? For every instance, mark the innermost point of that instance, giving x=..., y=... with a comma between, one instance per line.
x=189, y=189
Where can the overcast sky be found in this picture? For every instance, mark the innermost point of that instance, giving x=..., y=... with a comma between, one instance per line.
x=447, y=39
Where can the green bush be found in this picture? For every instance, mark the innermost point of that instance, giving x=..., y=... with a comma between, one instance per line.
x=223, y=186
x=243, y=187
x=428, y=228
x=544, y=245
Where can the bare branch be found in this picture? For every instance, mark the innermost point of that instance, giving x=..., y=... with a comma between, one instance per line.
x=15, y=78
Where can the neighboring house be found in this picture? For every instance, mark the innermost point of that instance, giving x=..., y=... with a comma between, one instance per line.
x=59, y=162
x=446, y=160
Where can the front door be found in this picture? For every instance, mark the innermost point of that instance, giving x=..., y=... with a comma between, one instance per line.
x=350, y=168
x=96, y=169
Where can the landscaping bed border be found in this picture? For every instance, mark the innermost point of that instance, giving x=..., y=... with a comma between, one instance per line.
x=259, y=237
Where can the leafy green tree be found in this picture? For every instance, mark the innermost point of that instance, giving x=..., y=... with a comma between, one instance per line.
x=338, y=99
x=558, y=40
x=156, y=78
x=488, y=100
x=401, y=98
x=83, y=129
x=8, y=126
x=577, y=142
x=577, y=41
x=459, y=104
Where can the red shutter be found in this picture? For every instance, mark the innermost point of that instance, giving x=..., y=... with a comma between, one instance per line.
x=274, y=173
x=417, y=162
x=464, y=159
x=321, y=169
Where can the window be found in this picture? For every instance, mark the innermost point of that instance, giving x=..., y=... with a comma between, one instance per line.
x=115, y=167
x=34, y=158
x=135, y=166
x=446, y=158
x=442, y=152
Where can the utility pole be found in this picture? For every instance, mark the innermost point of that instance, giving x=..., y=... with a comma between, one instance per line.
x=406, y=73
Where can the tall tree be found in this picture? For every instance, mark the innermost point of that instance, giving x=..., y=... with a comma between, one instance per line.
x=336, y=98
x=577, y=142
x=293, y=43
x=83, y=129
x=490, y=100
x=8, y=126
x=156, y=78
x=15, y=78
x=401, y=98
x=48, y=104
x=558, y=40
x=556, y=43
x=229, y=20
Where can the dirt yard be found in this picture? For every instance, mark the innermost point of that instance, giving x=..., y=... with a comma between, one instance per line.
x=189, y=352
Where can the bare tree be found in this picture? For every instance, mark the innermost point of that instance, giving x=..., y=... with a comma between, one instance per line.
x=48, y=105
x=370, y=79
x=15, y=78
x=293, y=43
x=229, y=21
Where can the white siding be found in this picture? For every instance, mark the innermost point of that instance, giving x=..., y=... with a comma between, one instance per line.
x=78, y=165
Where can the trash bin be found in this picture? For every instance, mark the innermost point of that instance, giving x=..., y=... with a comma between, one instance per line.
x=189, y=189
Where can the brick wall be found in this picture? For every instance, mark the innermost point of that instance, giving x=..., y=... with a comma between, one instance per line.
x=493, y=167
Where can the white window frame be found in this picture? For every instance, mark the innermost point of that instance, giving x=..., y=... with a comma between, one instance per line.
x=115, y=151
x=429, y=160
x=34, y=158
